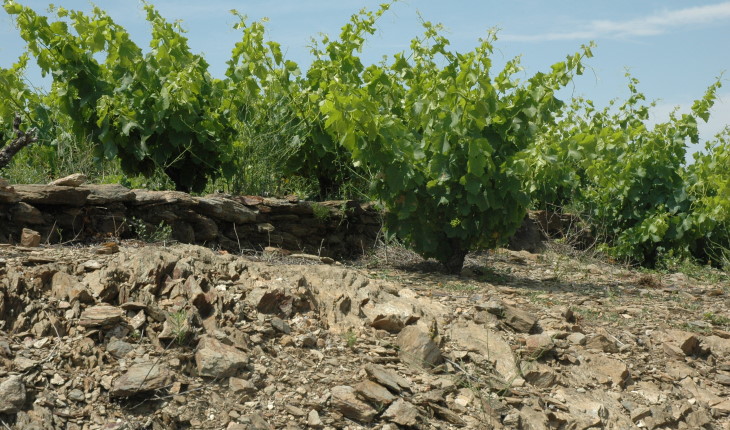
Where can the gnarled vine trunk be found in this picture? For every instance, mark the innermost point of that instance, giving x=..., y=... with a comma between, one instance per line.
x=22, y=139
x=455, y=262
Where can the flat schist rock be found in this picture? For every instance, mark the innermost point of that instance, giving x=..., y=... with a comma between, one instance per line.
x=146, y=197
x=23, y=213
x=605, y=369
x=53, y=195
x=12, y=394
x=290, y=205
x=217, y=360
x=416, y=347
x=100, y=316
x=73, y=180
x=108, y=193
x=391, y=311
x=374, y=392
x=30, y=238
x=686, y=343
x=7, y=193
x=248, y=200
x=345, y=400
x=520, y=320
x=225, y=209
x=486, y=342
x=402, y=413
x=718, y=346
x=387, y=378
x=140, y=378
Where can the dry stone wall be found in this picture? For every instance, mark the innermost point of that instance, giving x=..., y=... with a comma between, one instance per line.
x=63, y=213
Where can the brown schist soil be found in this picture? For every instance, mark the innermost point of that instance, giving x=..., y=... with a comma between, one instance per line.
x=172, y=337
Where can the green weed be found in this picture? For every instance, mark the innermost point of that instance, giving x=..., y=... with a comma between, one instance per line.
x=715, y=319
x=693, y=328
x=180, y=327
x=670, y=263
x=151, y=234
x=588, y=314
x=350, y=338
x=321, y=212
x=461, y=287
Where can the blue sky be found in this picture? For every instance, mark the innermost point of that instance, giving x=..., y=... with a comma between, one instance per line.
x=675, y=48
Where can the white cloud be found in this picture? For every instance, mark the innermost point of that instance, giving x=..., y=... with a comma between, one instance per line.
x=651, y=25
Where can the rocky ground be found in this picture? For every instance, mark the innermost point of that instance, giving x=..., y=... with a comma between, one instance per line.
x=136, y=336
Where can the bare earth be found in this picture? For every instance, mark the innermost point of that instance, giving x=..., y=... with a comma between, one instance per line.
x=140, y=336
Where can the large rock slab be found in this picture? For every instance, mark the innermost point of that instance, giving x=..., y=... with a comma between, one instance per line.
x=225, y=210
x=345, y=400
x=704, y=395
x=72, y=180
x=402, y=413
x=520, y=320
x=387, y=378
x=152, y=266
x=539, y=345
x=718, y=346
x=488, y=343
x=141, y=378
x=65, y=286
x=374, y=393
x=335, y=293
x=108, y=193
x=538, y=374
x=7, y=193
x=605, y=369
x=12, y=394
x=680, y=342
x=218, y=360
x=23, y=213
x=601, y=342
x=52, y=195
x=416, y=347
x=146, y=197
x=101, y=316
x=587, y=409
x=118, y=348
x=343, y=296
x=391, y=312
x=30, y=238
x=722, y=408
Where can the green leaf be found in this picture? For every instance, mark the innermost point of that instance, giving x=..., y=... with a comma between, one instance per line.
x=128, y=126
x=13, y=8
x=473, y=186
x=476, y=161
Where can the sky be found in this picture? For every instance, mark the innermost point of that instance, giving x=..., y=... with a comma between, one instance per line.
x=675, y=48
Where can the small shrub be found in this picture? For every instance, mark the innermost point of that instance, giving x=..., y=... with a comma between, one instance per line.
x=321, y=212
x=161, y=233
x=350, y=338
x=180, y=327
x=715, y=319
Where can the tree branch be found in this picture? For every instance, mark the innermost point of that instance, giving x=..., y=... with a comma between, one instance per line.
x=21, y=140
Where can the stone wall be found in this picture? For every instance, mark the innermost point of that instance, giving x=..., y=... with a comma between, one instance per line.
x=63, y=213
